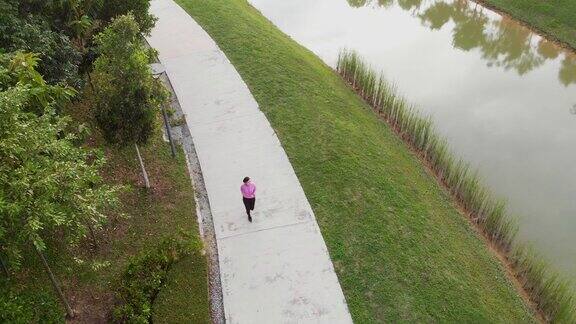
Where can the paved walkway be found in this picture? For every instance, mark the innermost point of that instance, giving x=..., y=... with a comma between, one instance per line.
x=276, y=269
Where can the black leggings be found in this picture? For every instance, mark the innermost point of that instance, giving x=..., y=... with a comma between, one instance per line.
x=249, y=204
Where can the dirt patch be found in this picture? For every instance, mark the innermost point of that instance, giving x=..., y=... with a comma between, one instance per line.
x=90, y=306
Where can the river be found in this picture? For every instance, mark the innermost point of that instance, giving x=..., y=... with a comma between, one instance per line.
x=503, y=96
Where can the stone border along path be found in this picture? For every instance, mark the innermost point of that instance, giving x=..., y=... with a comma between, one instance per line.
x=276, y=269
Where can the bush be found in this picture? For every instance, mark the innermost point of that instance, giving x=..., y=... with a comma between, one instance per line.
x=126, y=94
x=29, y=307
x=143, y=279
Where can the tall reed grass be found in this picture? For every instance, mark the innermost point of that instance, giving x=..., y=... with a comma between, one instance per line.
x=550, y=293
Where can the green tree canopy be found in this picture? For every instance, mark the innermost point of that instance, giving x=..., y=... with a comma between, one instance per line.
x=59, y=58
x=126, y=94
x=60, y=31
x=48, y=186
x=19, y=69
x=138, y=8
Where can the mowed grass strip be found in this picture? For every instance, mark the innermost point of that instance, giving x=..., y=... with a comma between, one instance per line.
x=183, y=299
x=556, y=19
x=402, y=251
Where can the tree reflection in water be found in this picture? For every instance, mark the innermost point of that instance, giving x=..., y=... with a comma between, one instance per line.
x=502, y=42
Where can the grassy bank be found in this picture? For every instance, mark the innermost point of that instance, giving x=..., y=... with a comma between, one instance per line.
x=141, y=222
x=546, y=289
x=401, y=249
x=555, y=19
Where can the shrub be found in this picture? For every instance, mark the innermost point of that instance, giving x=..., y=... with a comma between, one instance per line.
x=38, y=306
x=144, y=277
x=126, y=94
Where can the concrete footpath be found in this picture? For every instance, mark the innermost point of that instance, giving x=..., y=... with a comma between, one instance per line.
x=276, y=269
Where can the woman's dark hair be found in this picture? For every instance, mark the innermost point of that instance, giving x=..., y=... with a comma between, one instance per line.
x=246, y=179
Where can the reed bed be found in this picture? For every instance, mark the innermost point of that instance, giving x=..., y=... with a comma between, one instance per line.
x=549, y=292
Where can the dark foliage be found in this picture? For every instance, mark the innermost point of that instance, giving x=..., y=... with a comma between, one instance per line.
x=139, y=8
x=59, y=59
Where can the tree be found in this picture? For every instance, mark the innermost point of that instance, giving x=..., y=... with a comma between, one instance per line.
x=29, y=33
x=61, y=32
x=48, y=186
x=140, y=10
x=20, y=69
x=126, y=94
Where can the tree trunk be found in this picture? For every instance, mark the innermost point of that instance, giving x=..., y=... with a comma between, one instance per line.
x=4, y=268
x=83, y=50
x=69, y=311
x=168, y=130
x=90, y=82
x=91, y=229
x=144, y=173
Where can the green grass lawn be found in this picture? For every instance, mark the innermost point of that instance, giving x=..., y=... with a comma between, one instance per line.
x=141, y=221
x=402, y=251
x=557, y=18
x=183, y=299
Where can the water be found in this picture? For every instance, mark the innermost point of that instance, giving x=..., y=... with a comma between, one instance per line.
x=503, y=96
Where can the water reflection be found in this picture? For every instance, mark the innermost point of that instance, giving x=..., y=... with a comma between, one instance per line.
x=502, y=96
x=502, y=42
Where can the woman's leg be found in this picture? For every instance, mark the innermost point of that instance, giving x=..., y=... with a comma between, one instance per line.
x=252, y=203
x=246, y=205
